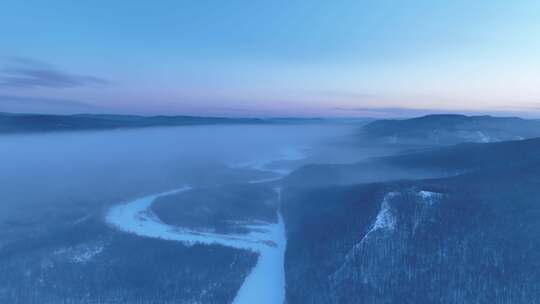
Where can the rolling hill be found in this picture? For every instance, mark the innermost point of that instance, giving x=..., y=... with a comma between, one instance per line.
x=447, y=129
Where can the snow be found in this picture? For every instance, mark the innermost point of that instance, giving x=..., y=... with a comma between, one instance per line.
x=482, y=137
x=384, y=221
x=137, y=217
x=87, y=254
x=265, y=180
x=82, y=219
x=428, y=196
x=265, y=283
x=81, y=253
x=385, y=218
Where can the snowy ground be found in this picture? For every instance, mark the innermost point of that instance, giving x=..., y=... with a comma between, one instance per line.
x=266, y=282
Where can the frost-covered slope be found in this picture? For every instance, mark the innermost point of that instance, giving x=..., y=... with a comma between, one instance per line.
x=470, y=238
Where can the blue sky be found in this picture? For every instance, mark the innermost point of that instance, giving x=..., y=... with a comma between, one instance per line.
x=271, y=58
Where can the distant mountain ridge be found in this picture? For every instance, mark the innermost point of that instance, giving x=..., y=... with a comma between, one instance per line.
x=34, y=123
x=450, y=129
x=436, y=162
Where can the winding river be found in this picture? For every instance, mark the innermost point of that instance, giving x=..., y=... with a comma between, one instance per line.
x=266, y=281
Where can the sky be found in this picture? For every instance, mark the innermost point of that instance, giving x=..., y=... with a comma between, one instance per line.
x=319, y=58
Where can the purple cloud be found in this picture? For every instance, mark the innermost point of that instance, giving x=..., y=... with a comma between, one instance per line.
x=28, y=73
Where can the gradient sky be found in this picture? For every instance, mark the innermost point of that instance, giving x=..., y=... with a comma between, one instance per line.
x=271, y=58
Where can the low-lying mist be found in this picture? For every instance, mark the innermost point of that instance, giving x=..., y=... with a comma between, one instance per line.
x=66, y=176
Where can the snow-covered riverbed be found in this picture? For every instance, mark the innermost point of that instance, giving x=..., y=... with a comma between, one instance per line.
x=266, y=281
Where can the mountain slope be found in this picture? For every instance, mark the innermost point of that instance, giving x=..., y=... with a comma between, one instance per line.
x=470, y=238
x=436, y=162
x=450, y=129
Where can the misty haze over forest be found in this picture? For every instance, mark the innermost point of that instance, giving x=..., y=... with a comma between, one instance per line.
x=269, y=152
x=319, y=211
